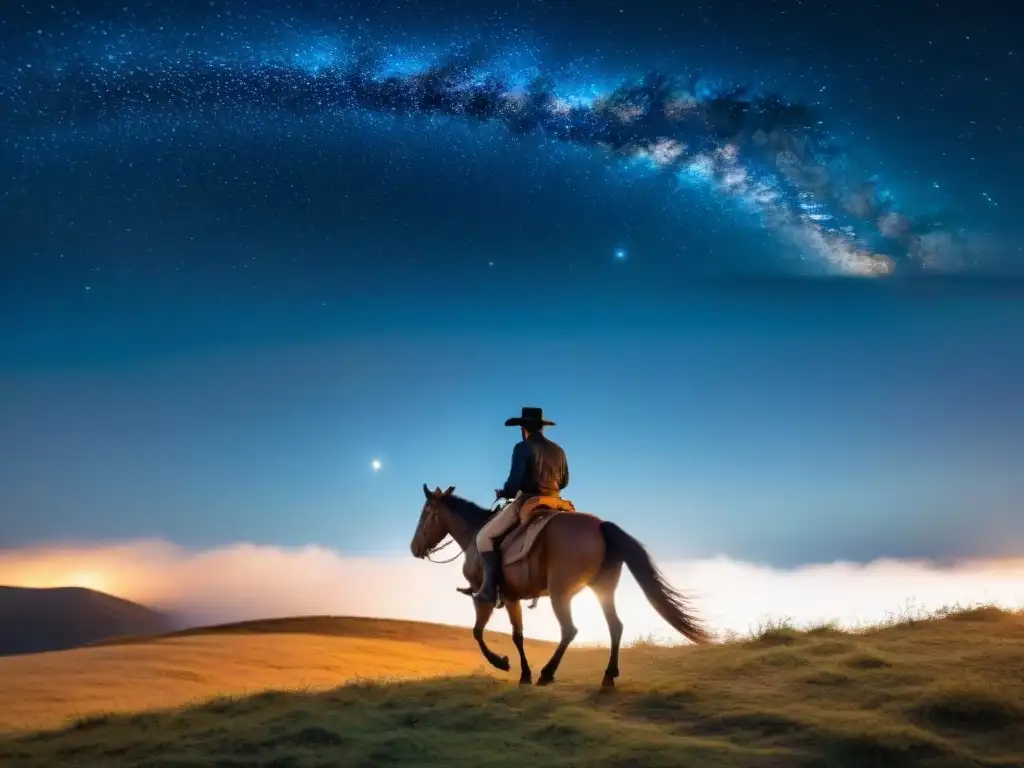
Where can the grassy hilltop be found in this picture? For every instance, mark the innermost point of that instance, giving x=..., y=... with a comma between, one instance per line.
x=942, y=691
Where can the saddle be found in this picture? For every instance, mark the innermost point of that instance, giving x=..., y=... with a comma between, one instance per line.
x=538, y=504
x=534, y=515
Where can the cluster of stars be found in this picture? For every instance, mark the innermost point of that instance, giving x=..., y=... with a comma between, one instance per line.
x=766, y=155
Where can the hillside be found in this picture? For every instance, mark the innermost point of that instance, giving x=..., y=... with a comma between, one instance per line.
x=938, y=692
x=38, y=620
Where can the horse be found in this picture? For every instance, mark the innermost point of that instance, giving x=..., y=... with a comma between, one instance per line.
x=573, y=550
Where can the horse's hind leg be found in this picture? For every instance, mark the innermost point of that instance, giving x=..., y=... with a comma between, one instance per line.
x=561, y=602
x=483, y=615
x=515, y=617
x=604, y=587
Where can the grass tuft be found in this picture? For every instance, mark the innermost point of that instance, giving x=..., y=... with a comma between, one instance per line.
x=648, y=641
x=867, y=660
x=970, y=707
x=824, y=628
x=90, y=722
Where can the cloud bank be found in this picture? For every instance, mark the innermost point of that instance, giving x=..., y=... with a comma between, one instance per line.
x=245, y=581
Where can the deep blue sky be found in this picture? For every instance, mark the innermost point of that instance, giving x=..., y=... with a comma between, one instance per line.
x=214, y=318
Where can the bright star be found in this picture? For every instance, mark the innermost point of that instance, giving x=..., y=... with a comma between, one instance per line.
x=376, y=465
x=620, y=253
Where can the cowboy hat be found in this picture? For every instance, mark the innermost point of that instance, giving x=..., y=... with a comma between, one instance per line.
x=531, y=417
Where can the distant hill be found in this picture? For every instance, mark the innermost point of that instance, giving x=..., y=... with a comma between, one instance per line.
x=37, y=620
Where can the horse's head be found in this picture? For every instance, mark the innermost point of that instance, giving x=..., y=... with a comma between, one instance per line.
x=433, y=524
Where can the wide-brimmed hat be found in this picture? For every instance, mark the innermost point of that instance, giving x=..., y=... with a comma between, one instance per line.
x=530, y=417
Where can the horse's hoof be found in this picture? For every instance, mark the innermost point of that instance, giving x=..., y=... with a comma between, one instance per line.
x=545, y=680
x=526, y=681
x=608, y=683
x=503, y=664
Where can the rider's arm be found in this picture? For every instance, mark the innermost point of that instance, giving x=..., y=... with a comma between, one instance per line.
x=515, y=476
x=565, y=476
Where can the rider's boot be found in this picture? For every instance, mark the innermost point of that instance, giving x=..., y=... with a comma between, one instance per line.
x=489, y=589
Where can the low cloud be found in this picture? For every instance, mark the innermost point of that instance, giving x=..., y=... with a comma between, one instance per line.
x=245, y=581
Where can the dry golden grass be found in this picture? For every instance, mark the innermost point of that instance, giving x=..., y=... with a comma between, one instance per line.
x=315, y=653
x=936, y=692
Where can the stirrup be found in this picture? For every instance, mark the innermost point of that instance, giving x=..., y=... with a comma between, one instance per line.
x=468, y=591
x=496, y=590
x=478, y=599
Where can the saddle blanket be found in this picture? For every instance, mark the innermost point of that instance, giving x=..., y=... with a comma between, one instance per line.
x=534, y=516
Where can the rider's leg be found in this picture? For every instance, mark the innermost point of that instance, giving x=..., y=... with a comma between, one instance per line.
x=504, y=521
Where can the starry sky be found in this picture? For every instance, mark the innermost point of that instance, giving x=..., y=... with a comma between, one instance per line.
x=760, y=261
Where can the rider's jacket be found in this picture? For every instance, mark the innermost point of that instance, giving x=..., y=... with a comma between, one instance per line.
x=539, y=468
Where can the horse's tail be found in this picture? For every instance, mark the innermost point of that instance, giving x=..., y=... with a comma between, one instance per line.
x=669, y=603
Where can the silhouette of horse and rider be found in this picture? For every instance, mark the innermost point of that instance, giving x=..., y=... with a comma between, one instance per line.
x=538, y=545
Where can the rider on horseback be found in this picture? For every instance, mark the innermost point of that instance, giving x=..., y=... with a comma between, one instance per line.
x=539, y=468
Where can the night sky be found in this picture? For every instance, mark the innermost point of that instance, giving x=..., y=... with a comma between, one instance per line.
x=761, y=262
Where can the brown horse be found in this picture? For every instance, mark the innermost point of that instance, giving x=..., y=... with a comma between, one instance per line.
x=573, y=551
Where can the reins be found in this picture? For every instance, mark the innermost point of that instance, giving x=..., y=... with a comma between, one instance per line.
x=450, y=541
x=441, y=546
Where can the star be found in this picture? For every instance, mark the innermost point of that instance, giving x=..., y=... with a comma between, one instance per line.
x=620, y=254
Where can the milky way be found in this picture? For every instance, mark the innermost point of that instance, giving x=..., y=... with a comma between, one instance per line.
x=762, y=153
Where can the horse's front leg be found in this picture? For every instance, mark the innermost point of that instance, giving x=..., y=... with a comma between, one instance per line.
x=515, y=617
x=483, y=615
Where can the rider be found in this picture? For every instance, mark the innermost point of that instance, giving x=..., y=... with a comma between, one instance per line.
x=539, y=468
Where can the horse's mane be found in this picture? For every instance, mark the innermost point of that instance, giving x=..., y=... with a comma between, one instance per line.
x=469, y=511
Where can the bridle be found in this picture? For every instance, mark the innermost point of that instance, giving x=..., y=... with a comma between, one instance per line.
x=450, y=540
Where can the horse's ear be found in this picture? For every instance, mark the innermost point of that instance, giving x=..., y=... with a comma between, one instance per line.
x=426, y=491
x=451, y=488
